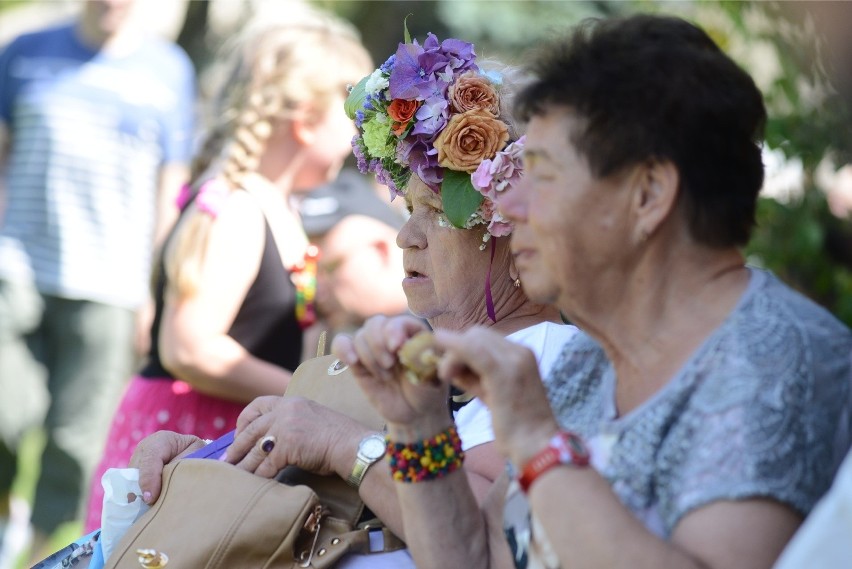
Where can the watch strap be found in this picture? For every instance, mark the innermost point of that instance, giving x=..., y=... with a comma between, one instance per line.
x=363, y=462
x=359, y=469
x=563, y=448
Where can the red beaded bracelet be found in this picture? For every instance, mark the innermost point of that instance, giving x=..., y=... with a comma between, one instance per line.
x=563, y=448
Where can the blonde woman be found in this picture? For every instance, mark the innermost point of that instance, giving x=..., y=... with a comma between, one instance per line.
x=234, y=284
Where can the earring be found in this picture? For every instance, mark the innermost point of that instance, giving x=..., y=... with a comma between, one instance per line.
x=517, y=282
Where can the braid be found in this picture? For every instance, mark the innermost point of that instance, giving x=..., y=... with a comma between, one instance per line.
x=277, y=69
x=253, y=128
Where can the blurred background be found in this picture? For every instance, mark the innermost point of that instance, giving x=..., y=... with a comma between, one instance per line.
x=800, y=54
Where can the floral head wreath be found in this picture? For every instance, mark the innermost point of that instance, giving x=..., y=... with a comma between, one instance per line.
x=430, y=110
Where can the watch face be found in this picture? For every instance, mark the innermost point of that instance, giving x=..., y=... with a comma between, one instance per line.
x=373, y=447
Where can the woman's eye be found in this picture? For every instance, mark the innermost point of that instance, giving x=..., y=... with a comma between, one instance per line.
x=442, y=219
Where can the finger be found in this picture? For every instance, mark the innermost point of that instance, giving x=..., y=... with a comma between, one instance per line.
x=247, y=438
x=398, y=330
x=153, y=453
x=479, y=349
x=343, y=348
x=255, y=409
x=373, y=335
x=370, y=348
x=260, y=453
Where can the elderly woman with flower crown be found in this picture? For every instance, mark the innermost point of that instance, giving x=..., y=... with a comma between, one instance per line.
x=445, y=141
x=704, y=407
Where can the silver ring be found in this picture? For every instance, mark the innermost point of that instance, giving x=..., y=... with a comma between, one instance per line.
x=266, y=444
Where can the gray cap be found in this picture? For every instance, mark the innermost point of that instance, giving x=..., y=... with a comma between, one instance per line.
x=350, y=194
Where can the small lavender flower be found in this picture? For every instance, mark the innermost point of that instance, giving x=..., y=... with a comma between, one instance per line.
x=360, y=158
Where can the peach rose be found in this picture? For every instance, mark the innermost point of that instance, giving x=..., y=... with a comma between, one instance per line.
x=401, y=111
x=469, y=138
x=473, y=91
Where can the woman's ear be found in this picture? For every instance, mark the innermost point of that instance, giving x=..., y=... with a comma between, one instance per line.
x=657, y=186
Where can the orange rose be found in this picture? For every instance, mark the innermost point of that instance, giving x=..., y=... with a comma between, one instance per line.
x=401, y=111
x=469, y=138
x=473, y=91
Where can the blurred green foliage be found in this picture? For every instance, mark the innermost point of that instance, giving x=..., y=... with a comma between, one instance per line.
x=777, y=42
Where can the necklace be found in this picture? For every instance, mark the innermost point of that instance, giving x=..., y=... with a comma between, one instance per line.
x=304, y=277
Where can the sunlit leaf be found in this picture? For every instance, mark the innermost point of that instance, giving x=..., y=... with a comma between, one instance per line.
x=459, y=198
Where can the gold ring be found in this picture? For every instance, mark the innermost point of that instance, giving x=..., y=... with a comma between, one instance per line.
x=266, y=444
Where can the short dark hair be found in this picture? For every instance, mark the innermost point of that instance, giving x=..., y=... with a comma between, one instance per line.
x=652, y=87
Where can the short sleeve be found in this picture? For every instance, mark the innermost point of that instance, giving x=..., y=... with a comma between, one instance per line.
x=473, y=422
x=179, y=120
x=7, y=87
x=765, y=428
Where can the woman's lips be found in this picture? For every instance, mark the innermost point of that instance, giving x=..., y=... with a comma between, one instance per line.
x=413, y=277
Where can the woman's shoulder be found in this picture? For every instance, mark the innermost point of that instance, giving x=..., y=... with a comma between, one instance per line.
x=238, y=227
x=774, y=306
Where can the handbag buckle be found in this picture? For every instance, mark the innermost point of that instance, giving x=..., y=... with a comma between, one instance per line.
x=151, y=558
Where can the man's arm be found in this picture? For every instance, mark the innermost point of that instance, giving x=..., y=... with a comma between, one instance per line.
x=172, y=177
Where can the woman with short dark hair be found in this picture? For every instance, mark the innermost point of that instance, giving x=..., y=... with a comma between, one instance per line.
x=704, y=408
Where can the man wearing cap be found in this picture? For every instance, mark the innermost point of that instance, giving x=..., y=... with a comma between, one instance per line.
x=360, y=268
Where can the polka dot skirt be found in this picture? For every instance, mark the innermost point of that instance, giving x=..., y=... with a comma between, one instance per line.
x=151, y=405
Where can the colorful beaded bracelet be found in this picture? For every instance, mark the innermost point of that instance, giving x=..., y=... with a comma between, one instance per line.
x=429, y=459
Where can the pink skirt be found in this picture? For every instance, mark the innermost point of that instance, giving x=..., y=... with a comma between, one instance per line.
x=151, y=405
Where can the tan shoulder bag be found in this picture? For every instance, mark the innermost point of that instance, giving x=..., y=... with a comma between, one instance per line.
x=212, y=515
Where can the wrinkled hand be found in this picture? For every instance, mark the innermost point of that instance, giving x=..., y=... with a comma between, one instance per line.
x=307, y=434
x=153, y=453
x=505, y=376
x=412, y=411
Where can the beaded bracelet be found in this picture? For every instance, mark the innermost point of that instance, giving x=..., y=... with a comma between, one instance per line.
x=429, y=459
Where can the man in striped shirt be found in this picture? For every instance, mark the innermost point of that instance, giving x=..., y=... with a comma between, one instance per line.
x=95, y=134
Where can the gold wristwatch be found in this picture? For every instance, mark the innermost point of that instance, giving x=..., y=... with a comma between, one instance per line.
x=370, y=450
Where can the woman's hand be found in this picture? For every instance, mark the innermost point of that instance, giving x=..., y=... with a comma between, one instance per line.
x=153, y=453
x=413, y=412
x=307, y=434
x=505, y=376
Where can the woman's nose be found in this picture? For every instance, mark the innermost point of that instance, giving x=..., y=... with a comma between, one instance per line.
x=407, y=236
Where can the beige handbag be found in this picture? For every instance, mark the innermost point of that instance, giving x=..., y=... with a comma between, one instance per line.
x=211, y=515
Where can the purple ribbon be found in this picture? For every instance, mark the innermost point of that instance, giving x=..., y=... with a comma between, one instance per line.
x=489, y=302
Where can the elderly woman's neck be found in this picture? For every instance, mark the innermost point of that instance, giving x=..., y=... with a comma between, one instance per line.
x=521, y=315
x=652, y=318
x=528, y=314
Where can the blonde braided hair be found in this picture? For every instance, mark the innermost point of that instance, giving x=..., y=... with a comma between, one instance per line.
x=277, y=70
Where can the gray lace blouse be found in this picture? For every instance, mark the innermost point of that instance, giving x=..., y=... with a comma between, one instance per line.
x=762, y=409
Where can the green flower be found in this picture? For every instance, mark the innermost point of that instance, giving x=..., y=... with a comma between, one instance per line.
x=378, y=139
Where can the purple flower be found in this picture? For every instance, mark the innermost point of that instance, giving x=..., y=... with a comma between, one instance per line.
x=408, y=76
x=460, y=54
x=360, y=158
x=431, y=116
x=387, y=66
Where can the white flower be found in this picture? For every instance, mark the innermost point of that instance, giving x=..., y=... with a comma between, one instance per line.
x=377, y=82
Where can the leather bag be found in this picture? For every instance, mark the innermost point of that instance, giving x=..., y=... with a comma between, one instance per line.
x=213, y=515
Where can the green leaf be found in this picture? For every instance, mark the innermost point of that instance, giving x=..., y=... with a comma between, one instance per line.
x=459, y=198
x=405, y=35
x=355, y=101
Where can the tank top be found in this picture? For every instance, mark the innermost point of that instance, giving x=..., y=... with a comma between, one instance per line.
x=265, y=324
